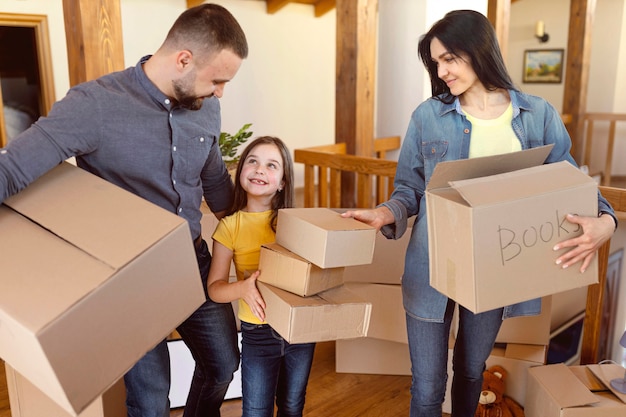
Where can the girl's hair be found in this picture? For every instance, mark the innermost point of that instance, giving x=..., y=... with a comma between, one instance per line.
x=469, y=34
x=282, y=199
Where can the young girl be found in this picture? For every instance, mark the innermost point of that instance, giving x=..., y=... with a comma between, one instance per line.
x=272, y=370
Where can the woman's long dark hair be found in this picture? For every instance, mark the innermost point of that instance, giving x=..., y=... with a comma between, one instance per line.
x=282, y=199
x=469, y=34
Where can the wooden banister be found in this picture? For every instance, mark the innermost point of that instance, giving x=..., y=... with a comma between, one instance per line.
x=590, y=120
x=592, y=324
x=374, y=176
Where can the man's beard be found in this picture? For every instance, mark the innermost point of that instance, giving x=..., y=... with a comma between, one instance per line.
x=184, y=97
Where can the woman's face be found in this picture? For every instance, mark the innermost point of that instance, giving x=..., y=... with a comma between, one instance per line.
x=455, y=70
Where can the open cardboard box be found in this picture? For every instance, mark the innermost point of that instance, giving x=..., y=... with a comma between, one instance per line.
x=330, y=315
x=92, y=278
x=492, y=224
x=286, y=270
x=29, y=401
x=320, y=235
x=576, y=391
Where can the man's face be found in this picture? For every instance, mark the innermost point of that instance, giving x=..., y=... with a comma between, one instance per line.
x=205, y=81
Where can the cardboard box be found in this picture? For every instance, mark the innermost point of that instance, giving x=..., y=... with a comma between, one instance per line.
x=492, y=223
x=26, y=400
x=321, y=236
x=330, y=315
x=92, y=278
x=387, y=264
x=528, y=330
x=562, y=391
x=286, y=270
x=366, y=355
x=388, y=319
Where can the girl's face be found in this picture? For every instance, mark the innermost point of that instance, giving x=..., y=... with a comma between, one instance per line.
x=262, y=171
x=456, y=71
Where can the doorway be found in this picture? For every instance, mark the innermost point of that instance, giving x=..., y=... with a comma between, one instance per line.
x=26, y=83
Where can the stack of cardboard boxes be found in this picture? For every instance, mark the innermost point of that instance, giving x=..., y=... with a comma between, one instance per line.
x=301, y=276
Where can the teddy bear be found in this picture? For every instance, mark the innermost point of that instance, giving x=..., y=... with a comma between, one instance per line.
x=493, y=402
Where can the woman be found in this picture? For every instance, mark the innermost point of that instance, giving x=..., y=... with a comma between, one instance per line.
x=475, y=110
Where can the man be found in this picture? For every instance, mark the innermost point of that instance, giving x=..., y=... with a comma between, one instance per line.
x=153, y=129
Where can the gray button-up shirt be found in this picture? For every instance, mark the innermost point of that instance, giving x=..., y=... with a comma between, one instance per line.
x=123, y=129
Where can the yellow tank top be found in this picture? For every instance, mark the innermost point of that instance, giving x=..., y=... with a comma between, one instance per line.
x=493, y=136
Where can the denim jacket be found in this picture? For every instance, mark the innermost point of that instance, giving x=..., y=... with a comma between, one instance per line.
x=441, y=132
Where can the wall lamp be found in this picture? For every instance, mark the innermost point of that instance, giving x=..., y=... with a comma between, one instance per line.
x=540, y=32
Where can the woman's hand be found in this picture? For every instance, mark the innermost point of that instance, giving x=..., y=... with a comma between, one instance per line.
x=251, y=295
x=596, y=231
x=377, y=217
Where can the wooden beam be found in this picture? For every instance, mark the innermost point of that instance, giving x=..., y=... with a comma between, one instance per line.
x=577, y=70
x=93, y=31
x=194, y=3
x=324, y=6
x=355, y=82
x=499, y=14
x=275, y=5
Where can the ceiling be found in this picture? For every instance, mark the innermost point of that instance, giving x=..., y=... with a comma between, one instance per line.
x=320, y=7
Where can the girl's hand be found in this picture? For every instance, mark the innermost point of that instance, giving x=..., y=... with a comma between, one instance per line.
x=251, y=295
x=377, y=217
x=596, y=231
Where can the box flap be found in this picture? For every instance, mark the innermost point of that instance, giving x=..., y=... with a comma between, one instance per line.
x=461, y=169
x=563, y=386
x=523, y=183
x=90, y=197
x=606, y=373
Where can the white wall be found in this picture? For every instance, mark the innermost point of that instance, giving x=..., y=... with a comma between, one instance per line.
x=524, y=15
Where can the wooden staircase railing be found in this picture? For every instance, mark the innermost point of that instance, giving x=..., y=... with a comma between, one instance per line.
x=593, y=120
x=325, y=165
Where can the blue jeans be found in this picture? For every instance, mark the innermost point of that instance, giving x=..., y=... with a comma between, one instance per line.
x=272, y=369
x=428, y=346
x=210, y=333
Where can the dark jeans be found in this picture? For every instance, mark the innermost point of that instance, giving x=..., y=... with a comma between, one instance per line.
x=210, y=333
x=272, y=369
x=428, y=347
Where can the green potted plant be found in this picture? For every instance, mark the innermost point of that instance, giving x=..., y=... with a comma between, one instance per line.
x=229, y=144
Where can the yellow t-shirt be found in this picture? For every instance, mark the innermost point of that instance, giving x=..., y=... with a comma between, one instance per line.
x=244, y=233
x=493, y=136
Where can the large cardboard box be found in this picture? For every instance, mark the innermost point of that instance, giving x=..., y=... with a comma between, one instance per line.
x=492, y=224
x=367, y=355
x=28, y=401
x=330, y=315
x=284, y=269
x=577, y=391
x=321, y=236
x=529, y=330
x=92, y=278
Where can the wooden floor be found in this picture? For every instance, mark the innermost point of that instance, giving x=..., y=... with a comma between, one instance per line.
x=328, y=394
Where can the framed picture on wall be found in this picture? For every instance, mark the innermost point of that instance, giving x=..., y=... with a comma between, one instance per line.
x=543, y=66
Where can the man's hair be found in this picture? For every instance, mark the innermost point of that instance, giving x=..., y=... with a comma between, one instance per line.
x=205, y=30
